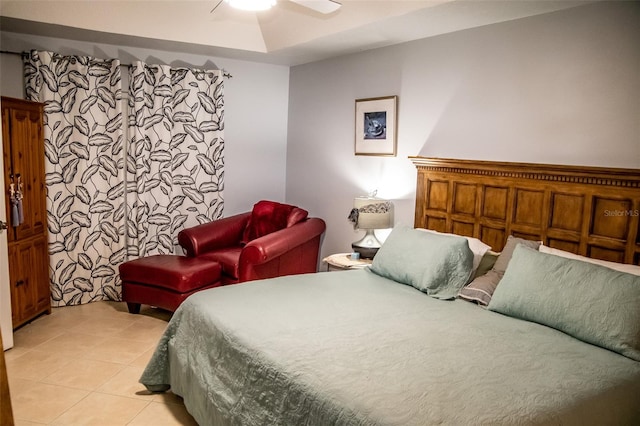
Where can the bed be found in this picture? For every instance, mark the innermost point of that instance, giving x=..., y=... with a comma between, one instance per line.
x=394, y=345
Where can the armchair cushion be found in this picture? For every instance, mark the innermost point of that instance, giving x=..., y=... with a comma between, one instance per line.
x=228, y=258
x=269, y=216
x=215, y=235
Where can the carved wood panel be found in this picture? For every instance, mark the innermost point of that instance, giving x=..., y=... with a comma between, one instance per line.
x=591, y=211
x=494, y=202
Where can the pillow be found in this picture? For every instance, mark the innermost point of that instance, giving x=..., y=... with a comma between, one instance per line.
x=622, y=267
x=297, y=215
x=487, y=262
x=482, y=287
x=505, y=256
x=590, y=302
x=436, y=264
x=266, y=217
x=478, y=248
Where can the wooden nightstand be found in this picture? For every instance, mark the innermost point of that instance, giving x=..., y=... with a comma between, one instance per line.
x=343, y=262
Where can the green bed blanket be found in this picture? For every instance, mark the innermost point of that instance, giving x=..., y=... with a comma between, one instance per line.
x=354, y=348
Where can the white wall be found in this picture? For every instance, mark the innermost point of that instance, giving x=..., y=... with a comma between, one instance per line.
x=557, y=88
x=5, y=294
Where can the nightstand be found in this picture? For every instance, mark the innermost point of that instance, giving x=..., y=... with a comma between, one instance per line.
x=343, y=262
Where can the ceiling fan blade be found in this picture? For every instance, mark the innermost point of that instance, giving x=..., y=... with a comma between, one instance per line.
x=322, y=6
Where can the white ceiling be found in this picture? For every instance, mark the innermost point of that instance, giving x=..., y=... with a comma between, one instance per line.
x=287, y=34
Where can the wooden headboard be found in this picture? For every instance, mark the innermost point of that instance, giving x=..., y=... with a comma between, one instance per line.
x=591, y=211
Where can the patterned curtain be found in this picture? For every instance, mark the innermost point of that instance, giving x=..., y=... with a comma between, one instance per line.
x=84, y=168
x=175, y=155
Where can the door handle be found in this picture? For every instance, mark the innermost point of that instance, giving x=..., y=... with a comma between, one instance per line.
x=3, y=225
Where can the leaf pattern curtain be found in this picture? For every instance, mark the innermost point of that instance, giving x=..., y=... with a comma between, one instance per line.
x=84, y=168
x=175, y=156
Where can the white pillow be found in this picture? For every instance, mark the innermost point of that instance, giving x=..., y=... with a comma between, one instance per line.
x=621, y=267
x=478, y=248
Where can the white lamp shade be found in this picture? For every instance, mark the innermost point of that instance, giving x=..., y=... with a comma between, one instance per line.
x=373, y=213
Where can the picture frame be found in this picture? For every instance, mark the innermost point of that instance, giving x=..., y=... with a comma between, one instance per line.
x=376, y=126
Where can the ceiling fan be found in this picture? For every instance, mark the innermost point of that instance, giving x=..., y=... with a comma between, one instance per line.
x=321, y=6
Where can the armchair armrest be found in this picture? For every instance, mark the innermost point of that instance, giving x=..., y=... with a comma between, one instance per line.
x=275, y=244
x=221, y=233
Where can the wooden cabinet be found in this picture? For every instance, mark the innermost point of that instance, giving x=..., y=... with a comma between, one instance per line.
x=23, y=155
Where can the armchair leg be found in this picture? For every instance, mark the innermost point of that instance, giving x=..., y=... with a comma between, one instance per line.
x=134, y=308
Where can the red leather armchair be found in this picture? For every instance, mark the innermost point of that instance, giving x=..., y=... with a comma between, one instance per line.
x=273, y=240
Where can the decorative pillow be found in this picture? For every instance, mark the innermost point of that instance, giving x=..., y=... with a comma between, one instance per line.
x=482, y=287
x=590, y=302
x=622, y=267
x=297, y=215
x=266, y=217
x=505, y=255
x=486, y=263
x=478, y=248
x=436, y=264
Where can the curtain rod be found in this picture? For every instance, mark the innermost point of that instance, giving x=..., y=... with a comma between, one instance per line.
x=8, y=52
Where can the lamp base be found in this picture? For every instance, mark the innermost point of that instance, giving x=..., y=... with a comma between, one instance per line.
x=367, y=246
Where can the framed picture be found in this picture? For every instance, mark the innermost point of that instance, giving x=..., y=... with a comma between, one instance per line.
x=376, y=126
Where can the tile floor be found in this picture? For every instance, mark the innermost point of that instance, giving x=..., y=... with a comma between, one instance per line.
x=81, y=364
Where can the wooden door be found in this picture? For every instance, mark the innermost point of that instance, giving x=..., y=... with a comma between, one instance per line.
x=23, y=290
x=23, y=153
x=25, y=159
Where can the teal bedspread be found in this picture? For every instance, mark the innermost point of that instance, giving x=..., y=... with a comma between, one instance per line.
x=354, y=348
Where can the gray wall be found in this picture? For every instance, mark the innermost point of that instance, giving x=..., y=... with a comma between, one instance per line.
x=557, y=88
x=256, y=108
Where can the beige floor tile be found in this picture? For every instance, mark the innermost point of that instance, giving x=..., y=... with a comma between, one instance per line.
x=151, y=312
x=163, y=415
x=121, y=351
x=79, y=312
x=102, y=409
x=98, y=309
x=43, y=402
x=155, y=317
x=34, y=334
x=19, y=422
x=125, y=383
x=84, y=374
x=71, y=344
x=36, y=365
x=143, y=359
x=81, y=364
x=168, y=397
x=17, y=385
x=144, y=330
x=118, y=306
x=103, y=325
x=15, y=352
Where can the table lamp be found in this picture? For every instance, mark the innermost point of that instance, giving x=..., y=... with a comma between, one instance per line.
x=370, y=213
